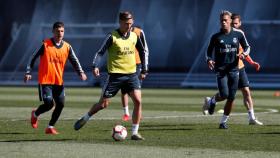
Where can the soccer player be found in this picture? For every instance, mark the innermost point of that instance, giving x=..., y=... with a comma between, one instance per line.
x=226, y=54
x=243, y=83
x=53, y=53
x=121, y=67
x=141, y=35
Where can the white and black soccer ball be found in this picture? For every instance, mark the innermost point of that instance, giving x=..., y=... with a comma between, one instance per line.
x=119, y=133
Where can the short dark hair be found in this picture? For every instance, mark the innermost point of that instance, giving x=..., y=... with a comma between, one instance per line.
x=58, y=24
x=235, y=16
x=126, y=15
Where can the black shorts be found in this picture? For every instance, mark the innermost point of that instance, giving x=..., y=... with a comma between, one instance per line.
x=228, y=83
x=138, y=72
x=115, y=82
x=51, y=92
x=243, y=79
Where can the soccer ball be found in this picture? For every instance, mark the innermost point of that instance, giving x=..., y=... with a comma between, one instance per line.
x=119, y=133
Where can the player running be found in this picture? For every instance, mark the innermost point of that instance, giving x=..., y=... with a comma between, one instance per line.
x=225, y=64
x=121, y=67
x=53, y=54
x=243, y=83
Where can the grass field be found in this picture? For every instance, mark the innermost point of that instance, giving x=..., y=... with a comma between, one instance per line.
x=172, y=124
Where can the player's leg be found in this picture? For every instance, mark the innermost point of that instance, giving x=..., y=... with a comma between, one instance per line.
x=223, y=92
x=45, y=92
x=233, y=78
x=124, y=99
x=59, y=98
x=247, y=98
x=134, y=88
x=110, y=89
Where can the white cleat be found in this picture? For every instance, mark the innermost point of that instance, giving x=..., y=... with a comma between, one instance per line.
x=206, y=105
x=255, y=122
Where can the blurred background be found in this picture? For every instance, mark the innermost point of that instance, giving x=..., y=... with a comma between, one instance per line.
x=177, y=32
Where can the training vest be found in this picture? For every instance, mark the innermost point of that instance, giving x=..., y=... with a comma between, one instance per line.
x=138, y=33
x=52, y=63
x=121, y=54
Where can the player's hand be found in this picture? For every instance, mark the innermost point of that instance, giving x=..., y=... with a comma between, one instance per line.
x=95, y=72
x=83, y=76
x=257, y=66
x=142, y=76
x=241, y=56
x=211, y=64
x=27, y=77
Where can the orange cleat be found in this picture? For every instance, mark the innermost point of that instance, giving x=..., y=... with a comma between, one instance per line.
x=34, y=120
x=125, y=117
x=51, y=131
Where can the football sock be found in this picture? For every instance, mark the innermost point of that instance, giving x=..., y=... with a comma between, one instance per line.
x=125, y=110
x=135, y=128
x=251, y=114
x=86, y=117
x=35, y=115
x=50, y=126
x=224, y=118
x=213, y=100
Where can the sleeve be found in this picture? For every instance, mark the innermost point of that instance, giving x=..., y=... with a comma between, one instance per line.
x=75, y=61
x=209, y=53
x=105, y=45
x=144, y=55
x=144, y=42
x=244, y=44
x=33, y=58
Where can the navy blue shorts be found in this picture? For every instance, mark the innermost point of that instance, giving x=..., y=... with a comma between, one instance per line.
x=138, y=72
x=243, y=79
x=228, y=83
x=115, y=82
x=51, y=92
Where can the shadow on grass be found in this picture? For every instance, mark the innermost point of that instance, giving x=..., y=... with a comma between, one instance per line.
x=13, y=133
x=34, y=140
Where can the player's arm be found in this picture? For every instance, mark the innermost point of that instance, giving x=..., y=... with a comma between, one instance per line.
x=76, y=64
x=144, y=42
x=253, y=63
x=209, y=54
x=144, y=56
x=105, y=45
x=31, y=63
x=245, y=45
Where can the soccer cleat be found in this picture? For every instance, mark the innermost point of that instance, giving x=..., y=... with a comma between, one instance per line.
x=125, y=117
x=51, y=131
x=137, y=137
x=223, y=126
x=80, y=123
x=211, y=108
x=255, y=122
x=34, y=120
x=205, y=106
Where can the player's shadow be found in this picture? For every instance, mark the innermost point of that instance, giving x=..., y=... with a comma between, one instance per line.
x=167, y=127
x=13, y=133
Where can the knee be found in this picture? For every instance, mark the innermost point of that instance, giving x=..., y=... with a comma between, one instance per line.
x=48, y=102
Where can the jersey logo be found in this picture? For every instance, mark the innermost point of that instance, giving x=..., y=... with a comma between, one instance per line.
x=234, y=40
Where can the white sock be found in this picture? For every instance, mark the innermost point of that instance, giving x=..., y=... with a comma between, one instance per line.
x=135, y=128
x=251, y=114
x=86, y=117
x=50, y=126
x=224, y=118
x=213, y=100
x=125, y=110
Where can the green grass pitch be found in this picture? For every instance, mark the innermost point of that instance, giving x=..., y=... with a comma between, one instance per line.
x=173, y=126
